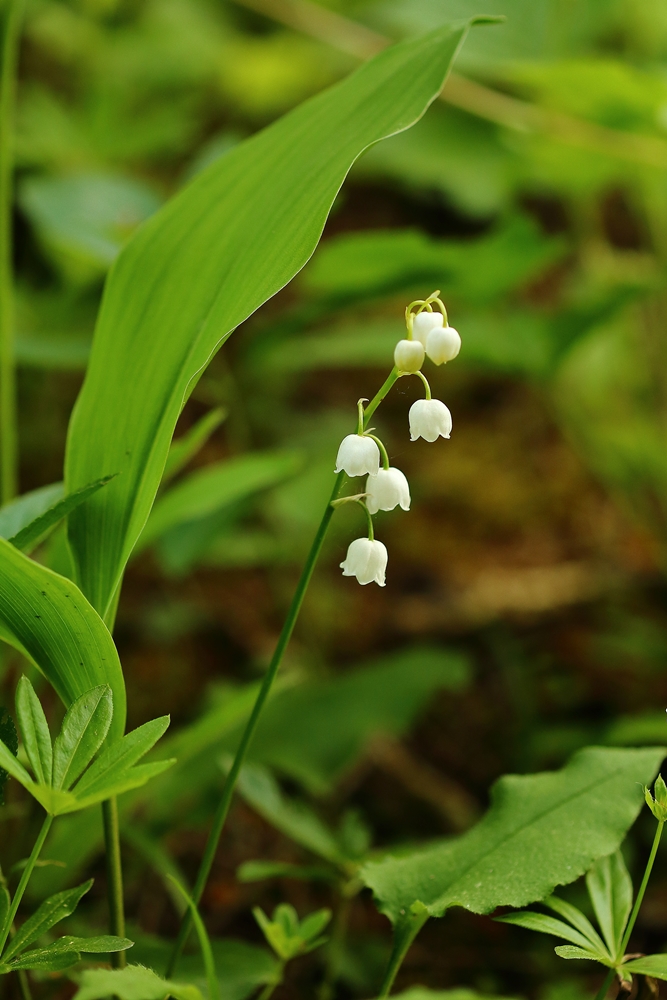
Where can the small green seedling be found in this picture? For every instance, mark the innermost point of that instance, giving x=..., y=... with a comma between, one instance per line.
x=287, y=935
x=65, y=777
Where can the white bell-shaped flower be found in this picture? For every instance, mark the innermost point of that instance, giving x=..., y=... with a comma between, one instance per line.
x=358, y=455
x=388, y=489
x=443, y=344
x=367, y=560
x=409, y=355
x=424, y=322
x=429, y=419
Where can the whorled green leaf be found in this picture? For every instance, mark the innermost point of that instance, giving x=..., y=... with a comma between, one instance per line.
x=577, y=919
x=649, y=965
x=571, y=951
x=541, y=831
x=610, y=889
x=83, y=732
x=48, y=619
x=135, y=982
x=228, y=242
x=44, y=960
x=548, y=925
x=51, y=912
x=34, y=731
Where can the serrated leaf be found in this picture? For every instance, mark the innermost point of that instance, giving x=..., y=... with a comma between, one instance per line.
x=610, y=889
x=120, y=757
x=187, y=446
x=570, y=951
x=577, y=919
x=541, y=831
x=47, y=618
x=36, y=531
x=83, y=732
x=547, y=925
x=135, y=982
x=51, y=912
x=224, y=245
x=648, y=965
x=34, y=731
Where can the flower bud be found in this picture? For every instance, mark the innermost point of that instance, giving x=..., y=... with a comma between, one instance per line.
x=367, y=560
x=443, y=344
x=358, y=455
x=424, y=322
x=409, y=355
x=429, y=419
x=388, y=489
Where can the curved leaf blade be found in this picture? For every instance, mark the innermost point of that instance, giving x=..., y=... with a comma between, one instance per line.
x=135, y=982
x=51, y=912
x=547, y=925
x=47, y=618
x=542, y=830
x=228, y=242
x=36, y=530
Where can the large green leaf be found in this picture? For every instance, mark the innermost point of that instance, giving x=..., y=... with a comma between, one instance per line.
x=48, y=619
x=542, y=830
x=228, y=242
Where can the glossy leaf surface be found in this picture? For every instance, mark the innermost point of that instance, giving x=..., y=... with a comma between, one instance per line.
x=48, y=619
x=542, y=830
x=228, y=242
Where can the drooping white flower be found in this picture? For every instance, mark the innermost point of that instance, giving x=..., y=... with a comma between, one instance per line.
x=429, y=419
x=367, y=560
x=443, y=344
x=388, y=489
x=358, y=455
x=409, y=355
x=424, y=322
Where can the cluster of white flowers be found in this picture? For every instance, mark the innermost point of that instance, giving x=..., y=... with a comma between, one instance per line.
x=363, y=454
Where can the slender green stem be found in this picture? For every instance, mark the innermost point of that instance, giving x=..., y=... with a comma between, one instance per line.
x=114, y=876
x=426, y=385
x=25, y=878
x=24, y=985
x=642, y=889
x=369, y=519
x=405, y=931
x=224, y=803
x=271, y=987
x=8, y=430
x=383, y=450
x=602, y=992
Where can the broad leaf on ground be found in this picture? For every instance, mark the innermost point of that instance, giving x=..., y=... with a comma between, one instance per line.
x=132, y=983
x=542, y=830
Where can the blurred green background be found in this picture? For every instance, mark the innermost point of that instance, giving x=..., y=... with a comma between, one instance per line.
x=525, y=608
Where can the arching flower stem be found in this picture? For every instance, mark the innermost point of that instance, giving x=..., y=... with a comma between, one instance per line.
x=426, y=385
x=383, y=450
